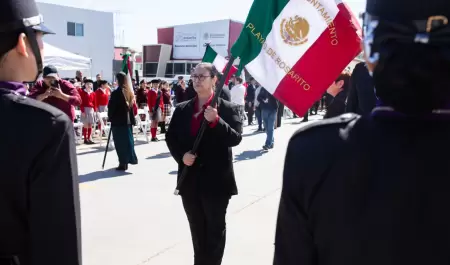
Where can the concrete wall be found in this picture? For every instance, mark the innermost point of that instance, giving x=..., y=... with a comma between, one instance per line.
x=97, y=42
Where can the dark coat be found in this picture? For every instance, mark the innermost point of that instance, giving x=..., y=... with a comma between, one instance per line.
x=272, y=102
x=118, y=110
x=335, y=105
x=39, y=196
x=212, y=172
x=367, y=191
x=251, y=92
x=361, y=97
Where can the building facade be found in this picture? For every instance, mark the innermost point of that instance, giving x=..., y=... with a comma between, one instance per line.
x=84, y=32
x=181, y=48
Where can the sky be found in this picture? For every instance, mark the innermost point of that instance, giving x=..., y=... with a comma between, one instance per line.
x=136, y=21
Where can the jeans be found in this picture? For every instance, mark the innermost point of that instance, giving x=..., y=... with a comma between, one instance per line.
x=268, y=117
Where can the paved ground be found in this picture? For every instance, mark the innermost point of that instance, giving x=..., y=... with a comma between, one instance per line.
x=134, y=219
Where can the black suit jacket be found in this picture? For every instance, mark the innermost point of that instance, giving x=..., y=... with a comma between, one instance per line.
x=118, y=110
x=212, y=172
x=361, y=98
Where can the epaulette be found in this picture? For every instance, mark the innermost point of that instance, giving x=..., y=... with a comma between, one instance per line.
x=343, y=119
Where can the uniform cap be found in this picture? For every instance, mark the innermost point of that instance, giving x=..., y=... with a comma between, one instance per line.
x=20, y=14
x=408, y=10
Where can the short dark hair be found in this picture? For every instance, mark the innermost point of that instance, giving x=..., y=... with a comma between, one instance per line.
x=8, y=41
x=345, y=76
x=211, y=69
x=239, y=79
x=413, y=84
x=180, y=77
x=103, y=82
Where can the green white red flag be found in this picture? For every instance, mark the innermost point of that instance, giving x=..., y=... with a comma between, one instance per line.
x=126, y=67
x=297, y=48
x=220, y=62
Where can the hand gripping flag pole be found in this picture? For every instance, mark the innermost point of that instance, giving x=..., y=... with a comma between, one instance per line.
x=205, y=123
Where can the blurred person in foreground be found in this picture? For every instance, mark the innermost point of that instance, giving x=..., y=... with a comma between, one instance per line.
x=376, y=195
x=210, y=181
x=39, y=197
x=121, y=114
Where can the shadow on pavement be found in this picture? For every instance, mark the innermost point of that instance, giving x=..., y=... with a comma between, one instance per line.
x=106, y=174
x=160, y=156
x=248, y=155
x=174, y=172
x=97, y=148
x=255, y=132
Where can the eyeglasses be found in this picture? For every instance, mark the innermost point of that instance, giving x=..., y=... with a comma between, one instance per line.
x=199, y=77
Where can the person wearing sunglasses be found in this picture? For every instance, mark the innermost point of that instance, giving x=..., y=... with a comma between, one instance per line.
x=210, y=181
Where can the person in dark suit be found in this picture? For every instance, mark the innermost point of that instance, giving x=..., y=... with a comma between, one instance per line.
x=377, y=195
x=122, y=118
x=336, y=96
x=39, y=193
x=250, y=101
x=361, y=96
x=210, y=181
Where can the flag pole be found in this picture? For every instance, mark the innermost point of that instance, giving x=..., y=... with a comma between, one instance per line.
x=205, y=123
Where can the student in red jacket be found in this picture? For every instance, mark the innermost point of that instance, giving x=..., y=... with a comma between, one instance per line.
x=88, y=108
x=102, y=95
x=155, y=106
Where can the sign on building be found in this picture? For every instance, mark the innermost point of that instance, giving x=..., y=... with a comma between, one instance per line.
x=189, y=40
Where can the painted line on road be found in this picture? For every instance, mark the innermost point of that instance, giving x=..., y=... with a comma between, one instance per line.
x=256, y=201
x=158, y=254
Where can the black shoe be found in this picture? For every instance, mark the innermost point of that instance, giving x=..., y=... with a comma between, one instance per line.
x=91, y=142
x=86, y=142
x=122, y=167
x=155, y=139
x=265, y=147
x=305, y=120
x=271, y=146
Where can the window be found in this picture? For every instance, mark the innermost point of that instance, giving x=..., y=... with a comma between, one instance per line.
x=75, y=29
x=150, y=69
x=169, y=70
x=179, y=68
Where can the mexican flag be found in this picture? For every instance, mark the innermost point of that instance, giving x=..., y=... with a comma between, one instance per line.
x=211, y=56
x=126, y=67
x=297, y=48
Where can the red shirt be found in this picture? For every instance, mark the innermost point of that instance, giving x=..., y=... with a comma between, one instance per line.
x=151, y=99
x=196, y=122
x=67, y=88
x=102, y=98
x=88, y=100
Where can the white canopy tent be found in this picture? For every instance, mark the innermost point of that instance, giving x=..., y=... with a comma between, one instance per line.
x=64, y=60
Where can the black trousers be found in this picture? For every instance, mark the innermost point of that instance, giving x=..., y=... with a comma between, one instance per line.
x=206, y=216
x=250, y=112
x=280, y=113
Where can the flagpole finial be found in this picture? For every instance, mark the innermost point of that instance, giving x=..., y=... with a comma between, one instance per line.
x=207, y=44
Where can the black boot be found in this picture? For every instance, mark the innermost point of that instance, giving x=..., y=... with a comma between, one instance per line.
x=122, y=167
x=162, y=125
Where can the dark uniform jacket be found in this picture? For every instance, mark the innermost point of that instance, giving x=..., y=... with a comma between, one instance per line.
x=212, y=172
x=39, y=197
x=366, y=191
x=361, y=97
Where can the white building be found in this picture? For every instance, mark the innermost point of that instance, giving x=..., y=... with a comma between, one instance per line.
x=85, y=32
